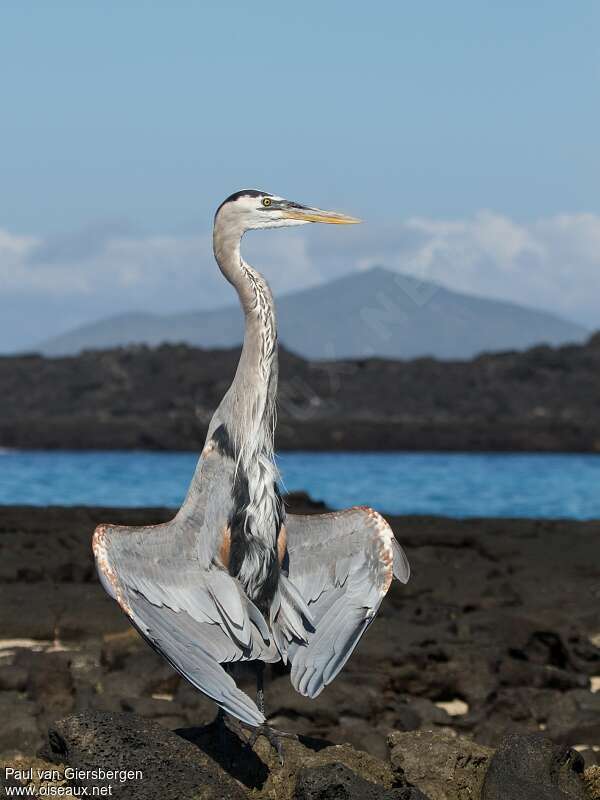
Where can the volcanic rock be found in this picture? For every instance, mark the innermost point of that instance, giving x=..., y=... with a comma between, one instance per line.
x=543, y=399
x=498, y=626
x=338, y=782
x=591, y=779
x=169, y=767
x=444, y=766
x=212, y=761
x=533, y=768
x=19, y=730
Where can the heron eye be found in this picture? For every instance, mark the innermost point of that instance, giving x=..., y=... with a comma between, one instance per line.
x=266, y=201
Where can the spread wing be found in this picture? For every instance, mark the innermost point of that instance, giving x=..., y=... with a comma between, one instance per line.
x=170, y=580
x=342, y=564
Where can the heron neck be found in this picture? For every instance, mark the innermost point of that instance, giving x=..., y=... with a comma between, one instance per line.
x=226, y=246
x=252, y=392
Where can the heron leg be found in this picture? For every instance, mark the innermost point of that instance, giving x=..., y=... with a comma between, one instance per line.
x=272, y=735
x=221, y=729
x=260, y=687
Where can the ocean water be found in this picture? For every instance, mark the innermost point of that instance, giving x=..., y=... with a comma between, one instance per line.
x=453, y=484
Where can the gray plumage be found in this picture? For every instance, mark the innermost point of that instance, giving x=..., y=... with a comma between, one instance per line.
x=232, y=577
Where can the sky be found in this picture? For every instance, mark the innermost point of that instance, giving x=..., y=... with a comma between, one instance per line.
x=465, y=134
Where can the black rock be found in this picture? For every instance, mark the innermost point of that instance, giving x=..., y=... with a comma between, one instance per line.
x=124, y=398
x=13, y=677
x=533, y=768
x=442, y=637
x=19, y=730
x=338, y=782
x=171, y=768
x=407, y=718
x=446, y=766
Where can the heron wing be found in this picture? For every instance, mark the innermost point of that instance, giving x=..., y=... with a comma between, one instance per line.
x=342, y=564
x=170, y=581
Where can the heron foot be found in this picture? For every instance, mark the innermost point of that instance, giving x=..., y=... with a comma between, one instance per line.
x=273, y=736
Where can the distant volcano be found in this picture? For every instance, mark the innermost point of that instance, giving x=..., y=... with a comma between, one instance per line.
x=372, y=313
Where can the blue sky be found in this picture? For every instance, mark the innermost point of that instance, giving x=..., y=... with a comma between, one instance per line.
x=124, y=124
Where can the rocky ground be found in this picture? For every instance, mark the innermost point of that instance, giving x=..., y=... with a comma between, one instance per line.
x=543, y=399
x=478, y=676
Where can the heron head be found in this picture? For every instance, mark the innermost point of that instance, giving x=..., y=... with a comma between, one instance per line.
x=251, y=209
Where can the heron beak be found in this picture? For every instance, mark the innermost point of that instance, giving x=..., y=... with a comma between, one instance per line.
x=316, y=215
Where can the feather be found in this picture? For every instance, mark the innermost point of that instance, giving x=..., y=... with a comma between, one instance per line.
x=341, y=564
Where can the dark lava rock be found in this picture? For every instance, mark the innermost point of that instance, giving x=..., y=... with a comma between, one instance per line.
x=50, y=683
x=591, y=779
x=407, y=718
x=533, y=768
x=124, y=398
x=338, y=782
x=13, y=677
x=260, y=772
x=452, y=633
x=202, y=763
x=444, y=765
x=29, y=776
x=172, y=769
x=575, y=718
x=19, y=729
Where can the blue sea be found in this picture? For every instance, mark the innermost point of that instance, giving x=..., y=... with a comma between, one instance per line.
x=453, y=484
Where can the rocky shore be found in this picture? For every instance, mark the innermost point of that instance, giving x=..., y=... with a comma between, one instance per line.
x=479, y=679
x=543, y=399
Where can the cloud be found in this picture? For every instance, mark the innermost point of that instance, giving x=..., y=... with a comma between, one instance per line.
x=48, y=285
x=81, y=245
x=551, y=263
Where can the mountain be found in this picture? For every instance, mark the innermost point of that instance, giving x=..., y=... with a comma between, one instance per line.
x=375, y=312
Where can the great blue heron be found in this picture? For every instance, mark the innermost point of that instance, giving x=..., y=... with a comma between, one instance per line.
x=233, y=577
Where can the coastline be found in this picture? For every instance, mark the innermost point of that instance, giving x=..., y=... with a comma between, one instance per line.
x=163, y=398
x=497, y=630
